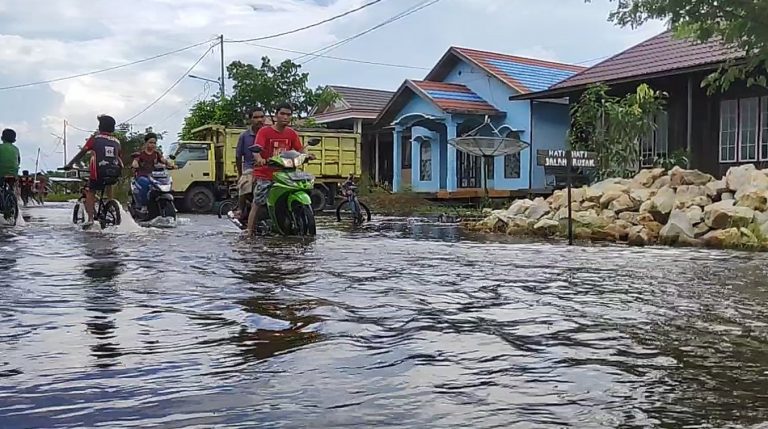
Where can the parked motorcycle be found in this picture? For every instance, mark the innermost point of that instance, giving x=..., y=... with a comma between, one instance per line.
x=160, y=202
x=289, y=206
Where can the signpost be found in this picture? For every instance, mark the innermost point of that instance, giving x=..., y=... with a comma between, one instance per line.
x=568, y=159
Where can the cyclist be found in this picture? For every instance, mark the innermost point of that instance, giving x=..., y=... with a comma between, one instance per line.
x=106, y=163
x=9, y=157
x=25, y=185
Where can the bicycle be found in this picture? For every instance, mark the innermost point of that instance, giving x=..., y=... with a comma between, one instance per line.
x=229, y=204
x=360, y=212
x=106, y=210
x=8, y=202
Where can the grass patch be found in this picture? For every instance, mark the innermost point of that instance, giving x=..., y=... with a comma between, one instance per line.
x=408, y=203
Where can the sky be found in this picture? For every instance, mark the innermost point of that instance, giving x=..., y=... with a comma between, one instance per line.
x=50, y=39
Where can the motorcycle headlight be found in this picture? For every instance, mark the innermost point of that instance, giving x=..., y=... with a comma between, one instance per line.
x=164, y=188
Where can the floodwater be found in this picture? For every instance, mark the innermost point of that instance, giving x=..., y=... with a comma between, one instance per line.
x=399, y=325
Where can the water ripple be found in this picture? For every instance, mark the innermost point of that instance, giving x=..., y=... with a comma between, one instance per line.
x=400, y=324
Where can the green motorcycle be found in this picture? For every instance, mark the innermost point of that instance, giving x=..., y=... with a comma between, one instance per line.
x=289, y=206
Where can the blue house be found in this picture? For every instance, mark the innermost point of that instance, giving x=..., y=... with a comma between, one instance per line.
x=453, y=99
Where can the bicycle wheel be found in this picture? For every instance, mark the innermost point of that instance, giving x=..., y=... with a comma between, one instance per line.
x=78, y=213
x=226, y=206
x=109, y=214
x=10, y=208
x=359, y=214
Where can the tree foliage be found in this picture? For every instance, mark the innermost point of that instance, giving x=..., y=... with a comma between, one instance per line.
x=738, y=23
x=612, y=127
x=265, y=86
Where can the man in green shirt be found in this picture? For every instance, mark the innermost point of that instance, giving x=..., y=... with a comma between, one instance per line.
x=9, y=155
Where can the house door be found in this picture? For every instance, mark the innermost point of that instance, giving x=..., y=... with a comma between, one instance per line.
x=469, y=170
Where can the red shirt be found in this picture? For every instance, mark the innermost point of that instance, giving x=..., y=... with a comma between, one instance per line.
x=272, y=143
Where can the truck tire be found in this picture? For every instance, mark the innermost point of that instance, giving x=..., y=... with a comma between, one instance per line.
x=199, y=200
x=319, y=199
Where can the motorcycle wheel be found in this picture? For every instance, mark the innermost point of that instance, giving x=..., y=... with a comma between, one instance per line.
x=305, y=220
x=167, y=209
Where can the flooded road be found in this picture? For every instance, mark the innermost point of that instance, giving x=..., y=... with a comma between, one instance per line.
x=399, y=326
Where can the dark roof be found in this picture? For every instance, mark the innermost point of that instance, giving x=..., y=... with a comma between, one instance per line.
x=363, y=98
x=454, y=98
x=522, y=74
x=661, y=55
x=448, y=97
x=357, y=103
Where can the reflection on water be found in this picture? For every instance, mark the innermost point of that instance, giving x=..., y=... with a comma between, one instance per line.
x=102, y=298
x=397, y=324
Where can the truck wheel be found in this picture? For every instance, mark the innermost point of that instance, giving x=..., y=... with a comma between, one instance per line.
x=199, y=200
x=319, y=200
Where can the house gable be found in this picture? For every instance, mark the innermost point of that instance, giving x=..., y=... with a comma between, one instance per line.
x=522, y=74
x=438, y=99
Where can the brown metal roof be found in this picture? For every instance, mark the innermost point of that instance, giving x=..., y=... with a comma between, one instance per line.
x=659, y=54
x=363, y=98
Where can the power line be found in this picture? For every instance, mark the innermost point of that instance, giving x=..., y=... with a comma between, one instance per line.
x=397, y=17
x=352, y=60
x=189, y=70
x=132, y=63
x=296, y=30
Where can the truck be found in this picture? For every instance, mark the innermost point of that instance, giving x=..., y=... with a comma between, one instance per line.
x=206, y=172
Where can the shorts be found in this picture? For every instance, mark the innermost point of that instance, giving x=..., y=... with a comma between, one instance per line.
x=261, y=190
x=100, y=184
x=245, y=183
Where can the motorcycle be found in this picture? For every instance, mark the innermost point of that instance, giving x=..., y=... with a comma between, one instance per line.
x=160, y=208
x=289, y=206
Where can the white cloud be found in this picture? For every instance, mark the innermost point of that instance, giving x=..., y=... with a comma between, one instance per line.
x=45, y=39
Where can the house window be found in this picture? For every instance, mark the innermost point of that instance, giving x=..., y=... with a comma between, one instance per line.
x=764, y=128
x=749, y=109
x=512, y=162
x=425, y=160
x=655, y=145
x=744, y=130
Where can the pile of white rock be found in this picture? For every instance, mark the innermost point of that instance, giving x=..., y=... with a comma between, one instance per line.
x=675, y=207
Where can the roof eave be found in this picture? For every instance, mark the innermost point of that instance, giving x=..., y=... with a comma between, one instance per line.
x=549, y=93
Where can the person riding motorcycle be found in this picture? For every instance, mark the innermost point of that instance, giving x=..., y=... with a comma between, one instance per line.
x=143, y=165
x=106, y=164
x=272, y=141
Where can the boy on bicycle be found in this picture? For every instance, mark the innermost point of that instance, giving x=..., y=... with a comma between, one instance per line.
x=9, y=157
x=106, y=163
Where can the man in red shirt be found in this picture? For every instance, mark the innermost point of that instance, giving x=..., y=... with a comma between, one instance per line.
x=272, y=141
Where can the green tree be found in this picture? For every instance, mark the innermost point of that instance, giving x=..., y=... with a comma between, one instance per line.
x=265, y=86
x=738, y=23
x=612, y=127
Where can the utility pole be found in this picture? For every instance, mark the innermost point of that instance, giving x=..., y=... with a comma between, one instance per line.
x=221, y=48
x=64, y=142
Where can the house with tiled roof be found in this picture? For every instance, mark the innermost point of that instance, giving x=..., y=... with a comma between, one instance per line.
x=464, y=88
x=717, y=131
x=356, y=109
